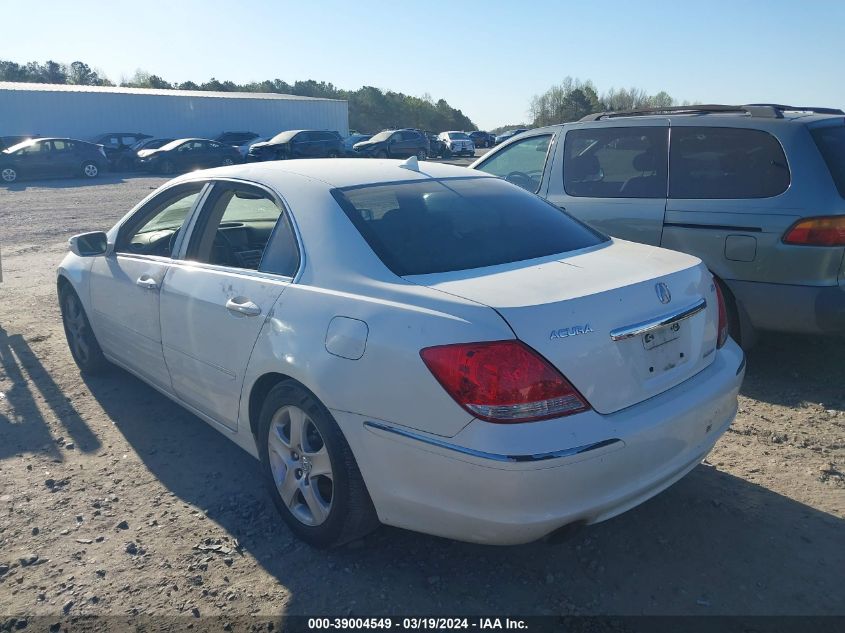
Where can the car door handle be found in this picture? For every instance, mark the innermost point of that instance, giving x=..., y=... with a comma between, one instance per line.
x=147, y=282
x=243, y=306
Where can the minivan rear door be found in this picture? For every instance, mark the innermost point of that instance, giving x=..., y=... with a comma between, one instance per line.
x=613, y=176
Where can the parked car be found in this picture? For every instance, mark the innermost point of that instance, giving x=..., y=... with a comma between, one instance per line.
x=150, y=143
x=504, y=136
x=185, y=154
x=482, y=139
x=52, y=157
x=757, y=192
x=298, y=144
x=118, y=146
x=437, y=148
x=242, y=140
x=236, y=139
x=395, y=144
x=457, y=143
x=8, y=141
x=349, y=143
x=387, y=355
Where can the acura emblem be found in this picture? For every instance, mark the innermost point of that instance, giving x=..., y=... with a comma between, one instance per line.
x=663, y=293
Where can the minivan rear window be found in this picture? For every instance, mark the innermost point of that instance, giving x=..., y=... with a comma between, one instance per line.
x=726, y=163
x=831, y=144
x=435, y=226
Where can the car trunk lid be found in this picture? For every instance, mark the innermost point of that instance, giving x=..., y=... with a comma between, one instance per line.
x=622, y=322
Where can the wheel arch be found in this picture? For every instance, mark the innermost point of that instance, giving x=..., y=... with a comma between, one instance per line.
x=258, y=393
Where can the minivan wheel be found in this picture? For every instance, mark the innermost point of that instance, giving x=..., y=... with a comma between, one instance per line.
x=310, y=471
x=83, y=344
x=422, y=155
x=90, y=169
x=9, y=174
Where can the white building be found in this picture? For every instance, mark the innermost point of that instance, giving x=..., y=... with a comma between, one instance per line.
x=87, y=111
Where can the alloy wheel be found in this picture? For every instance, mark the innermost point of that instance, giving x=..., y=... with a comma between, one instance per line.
x=300, y=464
x=76, y=328
x=9, y=174
x=90, y=170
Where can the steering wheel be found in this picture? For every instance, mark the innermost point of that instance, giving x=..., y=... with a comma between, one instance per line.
x=521, y=179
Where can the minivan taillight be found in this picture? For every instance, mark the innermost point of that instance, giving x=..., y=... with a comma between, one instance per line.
x=723, y=317
x=821, y=231
x=503, y=381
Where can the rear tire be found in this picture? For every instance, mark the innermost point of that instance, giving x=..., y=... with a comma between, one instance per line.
x=9, y=174
x=342, y=508
x=422, y=155
x=90, y=169
x=83, y=344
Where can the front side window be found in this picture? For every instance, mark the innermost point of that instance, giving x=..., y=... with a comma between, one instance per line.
x=616, y=162
x=153, y=230
x=521, y=163
x=728, y=163
x=435, y=226
x=236, y=228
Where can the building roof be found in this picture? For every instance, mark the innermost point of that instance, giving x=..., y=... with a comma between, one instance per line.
x=206, y=94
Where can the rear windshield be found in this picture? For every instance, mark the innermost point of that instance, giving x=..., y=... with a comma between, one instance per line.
x=831, y=144
x=436, y=226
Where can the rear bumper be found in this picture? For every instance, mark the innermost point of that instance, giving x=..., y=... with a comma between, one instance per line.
x=509, y=484
x=786, y=308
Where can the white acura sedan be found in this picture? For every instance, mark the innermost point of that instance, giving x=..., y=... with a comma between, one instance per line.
x=414, y=344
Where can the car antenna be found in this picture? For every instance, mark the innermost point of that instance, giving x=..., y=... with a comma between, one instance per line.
x=411, y=163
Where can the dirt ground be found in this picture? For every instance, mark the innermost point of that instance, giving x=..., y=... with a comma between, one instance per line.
x=113, y=500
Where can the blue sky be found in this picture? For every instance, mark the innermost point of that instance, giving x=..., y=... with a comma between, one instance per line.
x=487, y=58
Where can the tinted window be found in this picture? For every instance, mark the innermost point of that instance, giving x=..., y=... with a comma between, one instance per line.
x=712, y=162
x=614, y=162
x=61, y=146
x=521, y=163
x=831, y=143
x=435, y=226
x=235, y=228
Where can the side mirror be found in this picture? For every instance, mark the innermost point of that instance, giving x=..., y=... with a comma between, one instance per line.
x=89, y=244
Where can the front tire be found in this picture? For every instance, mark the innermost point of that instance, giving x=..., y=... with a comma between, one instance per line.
x=83, y=344
x=90, y=169
x=9, y=174
x=422, y=155
x=310, y=471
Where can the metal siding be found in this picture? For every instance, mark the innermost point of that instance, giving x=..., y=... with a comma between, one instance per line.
x=87, y=114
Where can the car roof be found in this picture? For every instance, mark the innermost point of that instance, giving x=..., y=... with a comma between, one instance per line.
x=337, y=172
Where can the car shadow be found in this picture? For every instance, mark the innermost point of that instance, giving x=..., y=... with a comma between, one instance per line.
x=108, y=178
x=711, y=544
x=791, y=369
x=23, y=427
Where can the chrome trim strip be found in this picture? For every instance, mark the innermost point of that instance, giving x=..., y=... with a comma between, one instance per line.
x=630, y=331
x=537, y=457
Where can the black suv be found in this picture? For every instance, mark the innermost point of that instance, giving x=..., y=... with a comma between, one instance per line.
x=395, y=144
x=118, y=146
x=482, y=139
x=298, y=144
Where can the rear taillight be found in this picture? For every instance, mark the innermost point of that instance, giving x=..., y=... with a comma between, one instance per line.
x=823, y=231
x=723, y=317
x=503, y=381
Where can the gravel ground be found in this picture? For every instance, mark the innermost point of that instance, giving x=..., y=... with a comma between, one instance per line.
x=113, y=500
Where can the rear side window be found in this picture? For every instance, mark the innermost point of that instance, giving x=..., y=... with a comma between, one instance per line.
x=831, y=144
x=521, y=163
x=616, y=162
x=436, y=226
x=713, y=162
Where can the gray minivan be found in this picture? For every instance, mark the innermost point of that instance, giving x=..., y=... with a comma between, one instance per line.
x=757, y=192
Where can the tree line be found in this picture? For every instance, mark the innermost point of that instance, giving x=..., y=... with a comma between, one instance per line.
x=370, y=109
x=574, y=99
